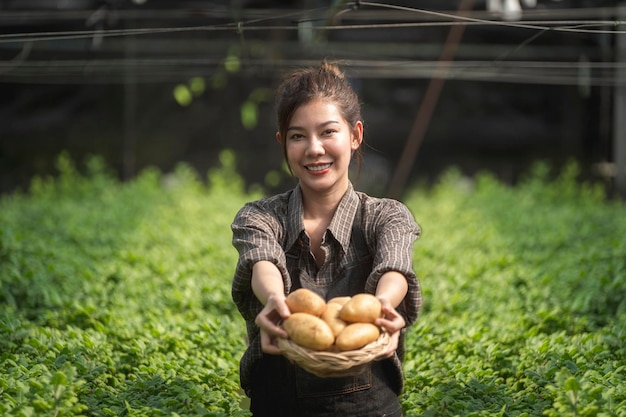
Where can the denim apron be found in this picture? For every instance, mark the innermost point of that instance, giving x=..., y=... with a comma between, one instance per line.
x=280, y=388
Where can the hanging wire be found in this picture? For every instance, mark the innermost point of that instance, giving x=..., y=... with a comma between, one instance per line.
x=163, y=69
x=574, y=26
x=537, y=25
x=153, y=70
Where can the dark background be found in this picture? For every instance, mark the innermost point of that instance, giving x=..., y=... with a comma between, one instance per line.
x=73, y=77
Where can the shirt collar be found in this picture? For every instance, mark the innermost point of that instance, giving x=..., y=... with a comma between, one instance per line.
x=295, y=224
x=340, y=225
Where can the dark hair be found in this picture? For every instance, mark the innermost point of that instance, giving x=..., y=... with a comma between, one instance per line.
x=326, y=82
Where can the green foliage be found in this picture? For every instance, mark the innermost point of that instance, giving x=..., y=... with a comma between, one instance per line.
x=525, y=313
x=250, y=107
x=184, y=94
x=115, y=297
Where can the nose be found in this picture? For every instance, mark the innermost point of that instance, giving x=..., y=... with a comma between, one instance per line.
x=315, y=147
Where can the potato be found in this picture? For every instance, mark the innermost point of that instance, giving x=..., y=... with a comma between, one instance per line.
x=357, y=335
x=303, y=300
x=339, y=300
x=361, y=308
x=309, y=331
x=331, y=317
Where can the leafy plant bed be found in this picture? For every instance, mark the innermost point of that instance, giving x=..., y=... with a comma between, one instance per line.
x=525, y=300
x=115, y=297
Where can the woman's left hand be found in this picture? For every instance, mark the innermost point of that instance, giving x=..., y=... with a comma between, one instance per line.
x=393, y=323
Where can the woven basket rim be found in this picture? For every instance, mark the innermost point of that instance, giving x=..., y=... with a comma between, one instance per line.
x=334, y=364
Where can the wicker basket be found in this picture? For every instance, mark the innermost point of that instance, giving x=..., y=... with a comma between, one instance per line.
x=334, y=364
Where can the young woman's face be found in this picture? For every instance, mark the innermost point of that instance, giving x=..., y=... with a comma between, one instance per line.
x=319, y=146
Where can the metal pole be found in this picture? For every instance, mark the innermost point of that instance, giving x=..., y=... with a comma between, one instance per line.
x=619, y=112
x=424, y=113
x=129, y=136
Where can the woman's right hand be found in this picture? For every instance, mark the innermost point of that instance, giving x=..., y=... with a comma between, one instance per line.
x=269, y=320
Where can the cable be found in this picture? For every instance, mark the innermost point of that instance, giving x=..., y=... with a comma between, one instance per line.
x=263, y=15
x=540, y=25
x=165, y=70
x=22, y=69
x=88, y=34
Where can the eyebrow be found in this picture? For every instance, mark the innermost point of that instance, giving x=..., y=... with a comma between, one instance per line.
x=330, y=122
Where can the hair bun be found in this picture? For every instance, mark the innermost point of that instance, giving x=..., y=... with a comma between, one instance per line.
x=327, y=66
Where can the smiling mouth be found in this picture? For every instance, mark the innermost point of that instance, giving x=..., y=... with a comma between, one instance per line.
x=316, y=168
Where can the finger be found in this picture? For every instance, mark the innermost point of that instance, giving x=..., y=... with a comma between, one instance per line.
x=391, y=319
x=274, y=329
x=283, y=310
x=392, y=326
x=390, y=350
x=271, y=349
x=280, y=332
x=268, y=345
x=390, y=312
x=393, y=345
x=279, y=307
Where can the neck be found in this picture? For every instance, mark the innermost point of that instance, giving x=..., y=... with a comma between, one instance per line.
x=322, y=205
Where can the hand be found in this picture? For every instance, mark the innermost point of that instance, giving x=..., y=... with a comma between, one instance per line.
x=393, y=323
x=268, y=321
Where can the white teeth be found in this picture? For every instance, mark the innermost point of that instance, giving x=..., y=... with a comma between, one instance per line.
x=318, y=167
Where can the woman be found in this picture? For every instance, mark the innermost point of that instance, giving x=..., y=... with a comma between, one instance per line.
x=325, y=236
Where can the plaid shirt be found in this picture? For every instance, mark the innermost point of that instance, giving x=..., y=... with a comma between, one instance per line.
x=367, y=237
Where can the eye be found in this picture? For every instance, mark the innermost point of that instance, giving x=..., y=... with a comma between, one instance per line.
x=329, y=132
x=296, y=136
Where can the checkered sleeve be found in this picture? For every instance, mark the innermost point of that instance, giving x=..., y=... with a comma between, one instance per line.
x=395, y=232
x=257, y=233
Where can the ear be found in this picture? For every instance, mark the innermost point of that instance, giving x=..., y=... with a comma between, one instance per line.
x=357, y=135
x=279, y=138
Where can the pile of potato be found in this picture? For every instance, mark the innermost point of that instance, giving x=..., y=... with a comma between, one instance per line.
x=344, y=323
